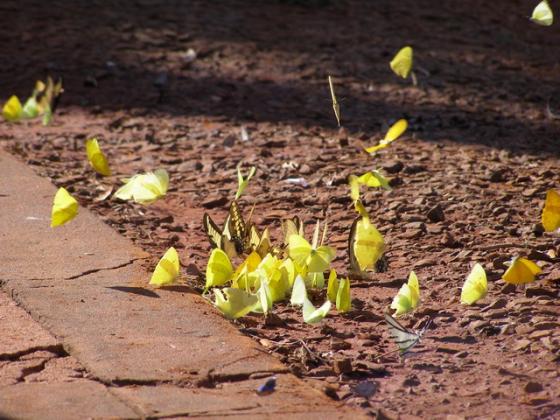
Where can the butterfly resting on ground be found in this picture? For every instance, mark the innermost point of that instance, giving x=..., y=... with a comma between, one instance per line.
x=237, y=237
x=405, y=338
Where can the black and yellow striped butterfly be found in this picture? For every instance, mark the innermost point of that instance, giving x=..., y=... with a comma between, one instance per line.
x=47, y=98
x=291, y=227
x=234, y=238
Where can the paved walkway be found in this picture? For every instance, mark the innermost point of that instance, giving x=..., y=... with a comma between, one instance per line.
x=93, y=341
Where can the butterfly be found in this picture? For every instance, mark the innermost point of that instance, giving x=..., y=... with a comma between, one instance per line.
x=408, y=297
x=243, y=182
x=365, y=244
x=260, y=243
x=268, y=387
x=542, y=14
x=551, y=212
x=343, y=299
x=475, y=286
x=12, y=110
x=64, y=209
x=521, y=271
x=96, y=157
x=48, y=98
x=394, y=132
x=403, y=337
x=335, y=104
x=401, y=64
x=316, y=256
x=167, y=269
x=234, y=303
x=219, y=269
x=290, y=227
x=144, y=188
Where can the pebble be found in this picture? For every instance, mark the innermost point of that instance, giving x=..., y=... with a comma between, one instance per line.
x=343, y=365
x=532, y=387
x=521, y=345
x=435, y=214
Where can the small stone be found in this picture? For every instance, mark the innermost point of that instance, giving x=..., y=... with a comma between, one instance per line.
x=532, y=387
x=546, y=325
x=343, y=365
x=497, y=304
x=366, y=388
x=214, y=201
x=410, y=381
x=540, y=291
x=521, y=345
x=435, y=214
x=393, y=167
x=305, y=169
x=338, y=344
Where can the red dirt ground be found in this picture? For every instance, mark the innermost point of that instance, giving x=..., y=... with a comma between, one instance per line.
x=481, y=149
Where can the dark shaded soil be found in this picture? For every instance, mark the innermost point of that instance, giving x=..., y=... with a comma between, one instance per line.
x=481, y=147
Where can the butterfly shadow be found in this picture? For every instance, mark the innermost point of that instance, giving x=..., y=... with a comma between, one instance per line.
x=135, y=290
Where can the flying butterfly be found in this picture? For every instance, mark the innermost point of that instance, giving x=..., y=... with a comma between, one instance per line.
x=403, y=337
x=542, y=14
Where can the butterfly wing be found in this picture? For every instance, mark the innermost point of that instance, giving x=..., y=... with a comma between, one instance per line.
x=292, y=227
x=219, y=269
x=212, y=231
x=65, y=208
x=521, y=271
x=542, y=14
x=237, y=228
x=366, y=245
x=403, y=337
x=401, y=64
x=167, y=269
x=475, y=286
x=12, y=110
x=551, y=212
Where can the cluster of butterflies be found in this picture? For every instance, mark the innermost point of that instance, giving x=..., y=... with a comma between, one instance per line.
x=42, y=103
x=268, y=274
x=140, y=188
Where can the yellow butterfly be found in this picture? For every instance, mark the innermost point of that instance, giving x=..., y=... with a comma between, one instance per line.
x=394, y=133
x=521, y=271
x=542, y=14
x=243, y=182
x=365, y=244
x=401, y=64
x=236, y=302
x=12, y=110
x=551, y=212
x=145, y=188
x=96, y=157
x=332, y=286
x=65, y=208
x=291, y=227
x=299, y=292
x=374, y=179
x=335, y=104
x=343, y=299
x=167, y=269
x=315, y=258
x=408, y=297
x=219, y=270
x=260, y=243
x=311, y=314
x=475, y=286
